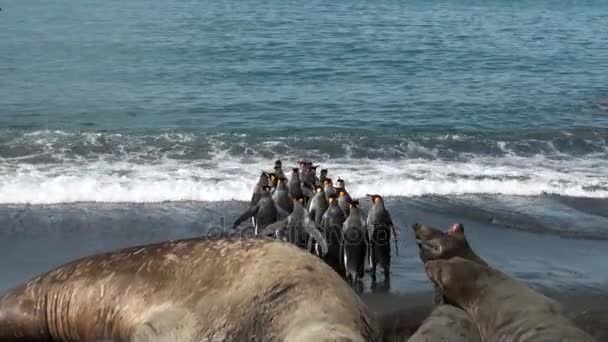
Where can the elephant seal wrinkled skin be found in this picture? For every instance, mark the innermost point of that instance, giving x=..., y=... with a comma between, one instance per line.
x=447, y=324
x=226, y=289
x=503, y=308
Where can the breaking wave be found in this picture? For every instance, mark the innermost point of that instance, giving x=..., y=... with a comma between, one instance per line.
x=60, y=167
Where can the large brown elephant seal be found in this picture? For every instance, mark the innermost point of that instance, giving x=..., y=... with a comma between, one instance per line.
x=446, y=322
x=228, y=289
x=503, y=308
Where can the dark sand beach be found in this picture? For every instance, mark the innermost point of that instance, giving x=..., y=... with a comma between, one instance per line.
x=565, y=261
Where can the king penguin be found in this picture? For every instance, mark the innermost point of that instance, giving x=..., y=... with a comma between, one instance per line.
x=354, y=246
x=264, y=212
x=331, y=224
x=297, y=228
x=379, y=228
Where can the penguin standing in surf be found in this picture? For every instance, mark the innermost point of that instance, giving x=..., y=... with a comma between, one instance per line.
x=281, y=199
x=297, y=228
x=294, y=186
x=354, y=245
x=278, y=169
x=318, y=206
x=322, y=177
x=307, y=180
x=331, y=224
x=328, y=188
x=264, y=212
x=343, y=197
x=257, y=191
x=379, y=228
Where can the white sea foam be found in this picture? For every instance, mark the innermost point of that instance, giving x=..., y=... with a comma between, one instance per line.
x=226, y=178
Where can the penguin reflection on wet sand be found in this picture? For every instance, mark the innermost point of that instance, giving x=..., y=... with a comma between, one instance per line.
x=354, y=245
x=331, y=224
x=297, y=228
x=264, y=212
x=379, y=228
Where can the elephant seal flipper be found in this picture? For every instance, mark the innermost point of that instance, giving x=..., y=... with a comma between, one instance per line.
x=503, y=308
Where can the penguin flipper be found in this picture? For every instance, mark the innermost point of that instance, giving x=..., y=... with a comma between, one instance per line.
x=244, y=216
x=273, y=228
x=316, y=234
x=281, y=213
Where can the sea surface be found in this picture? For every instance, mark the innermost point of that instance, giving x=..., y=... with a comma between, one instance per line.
x=130, y=122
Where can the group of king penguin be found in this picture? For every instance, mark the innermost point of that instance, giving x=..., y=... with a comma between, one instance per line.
x=322, y=218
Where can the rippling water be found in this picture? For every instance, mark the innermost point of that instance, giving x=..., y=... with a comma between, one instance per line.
x=100, y=101
x=503, y=103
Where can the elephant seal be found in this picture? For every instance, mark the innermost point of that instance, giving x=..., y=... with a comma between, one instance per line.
x=447, y=323
x=435, y=244
x=202, y=289
x=503, y=308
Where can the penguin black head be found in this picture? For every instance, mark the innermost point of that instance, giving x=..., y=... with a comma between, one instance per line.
x=266, y=188
x=295, y=169
x=341, y=191
x=314, y=168
x=374, y=198
x=324, y=172
x=354, y=204
x=340, y=182
x=278, y=163
x=299, y=199
x=327, y=181
x=318, y=188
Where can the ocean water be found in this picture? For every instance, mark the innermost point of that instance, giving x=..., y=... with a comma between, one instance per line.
x=490, y=111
